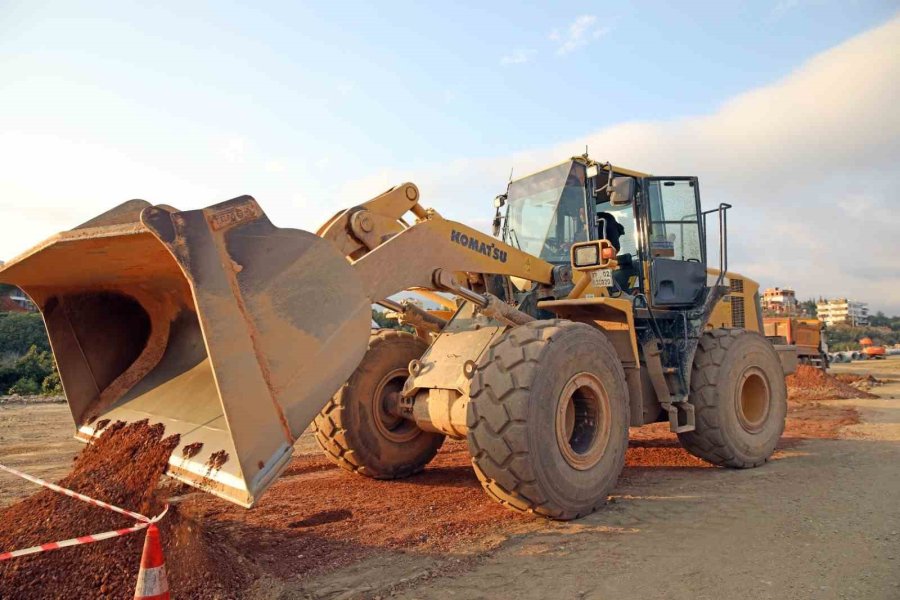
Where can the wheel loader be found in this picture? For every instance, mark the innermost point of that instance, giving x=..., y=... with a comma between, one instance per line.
x=592, y=309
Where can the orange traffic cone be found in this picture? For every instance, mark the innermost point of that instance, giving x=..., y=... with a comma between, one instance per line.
x=152, y=583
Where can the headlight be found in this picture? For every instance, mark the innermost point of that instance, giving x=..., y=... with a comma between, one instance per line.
x=587, y=255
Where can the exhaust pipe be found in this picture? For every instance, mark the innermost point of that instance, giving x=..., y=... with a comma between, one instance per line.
x=231, y=332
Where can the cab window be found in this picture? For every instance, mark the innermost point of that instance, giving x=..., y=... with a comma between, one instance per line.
x=674, y=230
x=624, y=215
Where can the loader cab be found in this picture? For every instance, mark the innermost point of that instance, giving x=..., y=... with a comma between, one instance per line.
x=653, y=222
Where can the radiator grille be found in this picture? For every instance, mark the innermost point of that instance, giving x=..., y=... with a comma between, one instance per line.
x=737, y=285
x=737, y=311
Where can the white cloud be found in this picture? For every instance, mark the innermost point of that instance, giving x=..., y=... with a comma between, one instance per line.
x=783, y=7
x=517, y=57
x=580, y=32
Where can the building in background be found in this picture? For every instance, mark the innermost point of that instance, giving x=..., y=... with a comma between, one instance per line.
x=842, y=311
x=12, y=299
x=782, y=301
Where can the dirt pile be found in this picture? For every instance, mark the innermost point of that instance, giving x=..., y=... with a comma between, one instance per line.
x=810, y=383
x=122, y=468
x=860, y=382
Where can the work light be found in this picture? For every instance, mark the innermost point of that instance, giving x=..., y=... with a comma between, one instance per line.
x=587, y=255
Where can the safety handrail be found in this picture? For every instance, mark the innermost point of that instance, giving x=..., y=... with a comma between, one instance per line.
x=723, y=237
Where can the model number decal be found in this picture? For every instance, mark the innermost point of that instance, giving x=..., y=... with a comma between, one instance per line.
x=476, y=245
x=233, y=215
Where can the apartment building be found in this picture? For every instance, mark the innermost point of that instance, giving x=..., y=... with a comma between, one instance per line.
x=779, y=300
x=842, y=311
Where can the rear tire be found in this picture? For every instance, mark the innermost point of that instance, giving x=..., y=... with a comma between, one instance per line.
x=356, y=432
x=548, y=419
x=739, y=398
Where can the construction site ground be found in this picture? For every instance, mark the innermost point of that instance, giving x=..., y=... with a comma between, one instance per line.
x=821, y=520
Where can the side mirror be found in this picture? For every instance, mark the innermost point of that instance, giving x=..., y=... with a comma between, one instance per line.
x=621, y=191
x=499, y=202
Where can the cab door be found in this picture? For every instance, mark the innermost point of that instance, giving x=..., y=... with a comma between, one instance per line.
x=675, y=241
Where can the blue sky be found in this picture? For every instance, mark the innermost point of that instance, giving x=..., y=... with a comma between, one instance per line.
x=313, y=106
x=391, y=83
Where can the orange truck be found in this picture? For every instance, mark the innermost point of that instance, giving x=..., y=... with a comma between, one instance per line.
x=870, y=349
x=808, y=335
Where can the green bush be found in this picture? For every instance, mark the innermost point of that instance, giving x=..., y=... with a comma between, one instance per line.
x=26, y=363
x=28, y=374
x=21, y=331
x=8, y=376
x=384, y=322
x=52, y=386
x=25, y=387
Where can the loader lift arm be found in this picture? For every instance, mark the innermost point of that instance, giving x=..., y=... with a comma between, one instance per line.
x=390, y=255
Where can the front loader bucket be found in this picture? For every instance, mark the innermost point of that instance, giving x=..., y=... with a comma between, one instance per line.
x=228, y=330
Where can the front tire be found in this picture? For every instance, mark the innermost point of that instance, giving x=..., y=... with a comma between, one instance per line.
x=739, y=398
x=355, y=430
x=548, y=419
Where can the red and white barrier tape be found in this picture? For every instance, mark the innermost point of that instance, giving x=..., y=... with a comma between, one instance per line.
x=85, y=539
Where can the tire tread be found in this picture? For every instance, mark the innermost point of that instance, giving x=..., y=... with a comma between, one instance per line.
x=330, y=427
x=499, y=394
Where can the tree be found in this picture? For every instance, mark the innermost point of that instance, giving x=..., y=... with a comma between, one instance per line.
x=25, y=387
x=51, y=385
x=808, y=307
x=879, y=319
x=384, y=322
x=29, y=373
x=21, y=331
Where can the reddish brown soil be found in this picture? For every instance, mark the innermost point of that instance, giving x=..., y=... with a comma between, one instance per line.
x=655, y=446
x=853, y=377
x=318, y=517
x=810, y=383
x=122, y=468
x=191, y=450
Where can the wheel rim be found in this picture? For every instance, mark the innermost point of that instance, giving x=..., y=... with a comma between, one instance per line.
x=752, y=399
x=392, y=427
x=582, y=421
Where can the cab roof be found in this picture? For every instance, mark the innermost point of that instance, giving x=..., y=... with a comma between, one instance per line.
x=586, y=161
